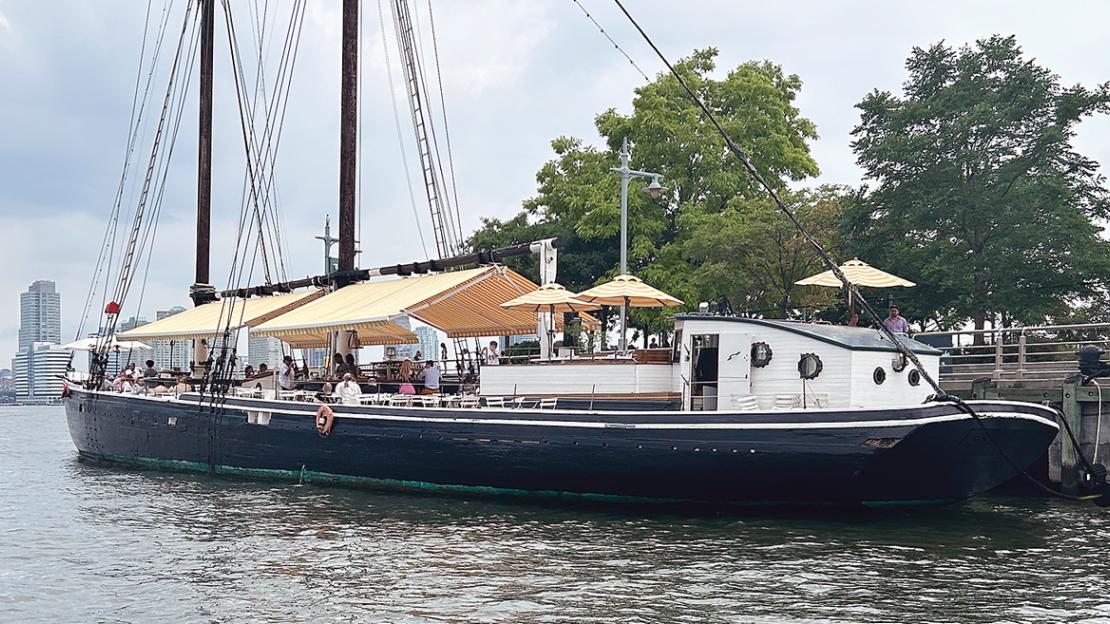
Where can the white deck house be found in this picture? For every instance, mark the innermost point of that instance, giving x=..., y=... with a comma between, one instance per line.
x=726, y=363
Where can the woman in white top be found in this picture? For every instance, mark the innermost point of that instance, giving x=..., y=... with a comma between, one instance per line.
x=348, y=390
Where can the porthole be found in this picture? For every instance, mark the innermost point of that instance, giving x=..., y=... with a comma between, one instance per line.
x=879, y=376
x=809, y=366
x=761, y=354
x=899, y=363
x=914, y=377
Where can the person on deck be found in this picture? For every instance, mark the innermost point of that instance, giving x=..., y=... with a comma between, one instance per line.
x=248, y=372
x=492, y=357
x=340, y=364
x=896, y=322
x=352, y=368
x=430, y=376
x=150, y=371
x=263, y=369
x=419, y=357
x=287, y=374
x=130, y=372
x=348, y=390
x=443, y=351
x=653, y=344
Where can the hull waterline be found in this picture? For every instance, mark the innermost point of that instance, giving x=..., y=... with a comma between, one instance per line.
x=924, y=454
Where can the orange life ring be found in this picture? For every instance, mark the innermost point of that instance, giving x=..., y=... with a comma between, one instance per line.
x=325, y=418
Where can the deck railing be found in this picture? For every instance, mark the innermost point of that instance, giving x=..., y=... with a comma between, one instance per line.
x=1043, y=354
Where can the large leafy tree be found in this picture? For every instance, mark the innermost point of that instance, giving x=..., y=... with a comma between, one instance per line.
x=713, y=220
x=979, y=194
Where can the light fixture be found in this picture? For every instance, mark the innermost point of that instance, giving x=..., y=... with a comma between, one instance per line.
x=655, y=189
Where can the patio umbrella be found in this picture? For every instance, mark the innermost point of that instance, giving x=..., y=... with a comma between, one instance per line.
x=550, y=298
x=628, y=291
x=89, y=344
x=858, y=273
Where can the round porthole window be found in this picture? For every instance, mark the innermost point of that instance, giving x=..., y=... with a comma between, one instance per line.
x=899, y=363
x=809, y=366
x=879, y=375
x=914, y=377
x=761, y=354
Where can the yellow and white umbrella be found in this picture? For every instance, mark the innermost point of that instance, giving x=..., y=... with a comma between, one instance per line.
x=625, y=291
x=550, y=298
x=629, y=290
x=859, y=273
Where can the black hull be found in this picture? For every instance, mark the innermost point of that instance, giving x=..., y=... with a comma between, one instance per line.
x=925, y=454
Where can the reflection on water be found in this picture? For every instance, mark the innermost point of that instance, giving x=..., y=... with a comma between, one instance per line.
x=82, y=543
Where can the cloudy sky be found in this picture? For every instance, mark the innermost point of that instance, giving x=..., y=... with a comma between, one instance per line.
x=516, y=74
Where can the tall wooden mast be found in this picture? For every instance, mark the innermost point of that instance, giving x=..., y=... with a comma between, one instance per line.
x=200, y=293
x=348, y=137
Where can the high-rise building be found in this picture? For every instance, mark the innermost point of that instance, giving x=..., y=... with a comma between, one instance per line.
x=429, y=342
x=40, y=315
x=172, y=354
x=37, y=372
x=39, y=361
x=264, y=349
x=405, y=350
x=119, y=358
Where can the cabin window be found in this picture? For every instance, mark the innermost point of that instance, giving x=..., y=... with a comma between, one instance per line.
x=879, y=375
x=761, y=354
x=809, y=366
x=676, y=355
x=899, y=363
x=914, y=377
x=703, y=371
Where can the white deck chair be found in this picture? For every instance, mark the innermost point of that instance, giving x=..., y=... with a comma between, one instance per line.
x=747, y=403
x=495, y=401
x=548, y=403
x=468, y=402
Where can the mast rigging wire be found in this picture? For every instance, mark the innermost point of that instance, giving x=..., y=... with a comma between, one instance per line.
x=397, y=124
x=446, y=128
x=615, y=44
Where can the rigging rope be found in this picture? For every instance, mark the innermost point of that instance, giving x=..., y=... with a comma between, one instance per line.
x=400, y=135
x=615, y=44
x=446, y=128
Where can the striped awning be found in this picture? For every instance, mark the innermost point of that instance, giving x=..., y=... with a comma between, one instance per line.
x=212, y=319
x=460, y=303
x=859, y=273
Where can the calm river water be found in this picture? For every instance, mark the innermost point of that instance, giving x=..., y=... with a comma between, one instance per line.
x=86, y=544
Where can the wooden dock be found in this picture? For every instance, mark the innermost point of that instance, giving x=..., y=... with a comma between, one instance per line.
x=1037, y=365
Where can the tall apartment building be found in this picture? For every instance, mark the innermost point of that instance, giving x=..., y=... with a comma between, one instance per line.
x=39, y=361
x=172, y=354
x=36, y=372
x=40, y=315
x=264, y=349
x=405, y=350
x=429, y=342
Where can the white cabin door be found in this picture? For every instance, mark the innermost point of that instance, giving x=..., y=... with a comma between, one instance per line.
x=734, y=377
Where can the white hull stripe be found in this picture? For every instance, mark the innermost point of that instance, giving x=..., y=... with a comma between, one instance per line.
x=907, y=422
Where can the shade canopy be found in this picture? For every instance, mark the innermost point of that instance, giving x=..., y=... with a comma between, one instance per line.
x=629, y=290
x=90, y=344
x=211, y=319
x=550, y=298
x=859, y=273
x=462, y=304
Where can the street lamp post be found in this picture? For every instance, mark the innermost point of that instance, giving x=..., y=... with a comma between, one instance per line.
x=655, y=189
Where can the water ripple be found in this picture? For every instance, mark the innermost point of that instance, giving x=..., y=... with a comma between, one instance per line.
x=87, y=544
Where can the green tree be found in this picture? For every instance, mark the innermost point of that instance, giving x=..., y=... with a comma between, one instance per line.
x=578, y=197
x=979, y=194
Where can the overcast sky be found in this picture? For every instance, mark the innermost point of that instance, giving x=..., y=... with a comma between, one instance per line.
x=516, y=74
